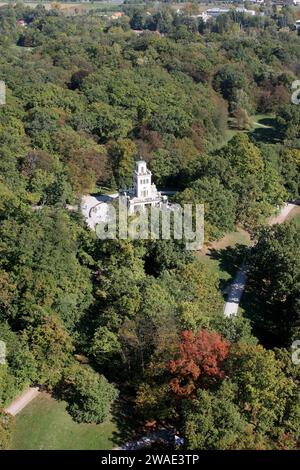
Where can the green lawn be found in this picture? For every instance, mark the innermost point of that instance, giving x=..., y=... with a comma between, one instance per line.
x=45, y=424
x=262, y=129
x=223, y=257
x=296, y=217
x=261, y=120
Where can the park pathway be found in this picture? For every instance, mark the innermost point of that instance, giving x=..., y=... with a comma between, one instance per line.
x=237, y=287
x=22, y=400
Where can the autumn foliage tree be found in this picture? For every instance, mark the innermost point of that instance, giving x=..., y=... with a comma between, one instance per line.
x=200, y=359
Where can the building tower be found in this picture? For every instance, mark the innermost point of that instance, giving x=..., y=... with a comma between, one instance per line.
x=142, y=180
x=143, y=193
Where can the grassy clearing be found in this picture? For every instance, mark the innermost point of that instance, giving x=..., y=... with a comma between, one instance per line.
x=228, y=135
x=45, y=425
x=297, y=220
x=49, y=4
x=262, y=120
x=295, y=216
x=224, y=256
x=262, y=129
x=221, y=257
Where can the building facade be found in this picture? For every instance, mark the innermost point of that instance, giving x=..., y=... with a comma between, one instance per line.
x=143, y=193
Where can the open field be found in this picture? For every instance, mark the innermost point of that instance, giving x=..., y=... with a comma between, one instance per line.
x=224, y=256
x=65, y=6
x=295, y=216
x=45, y=425
x=112, y=5
x=87, y=4
x=262, y=129
x=297, y=219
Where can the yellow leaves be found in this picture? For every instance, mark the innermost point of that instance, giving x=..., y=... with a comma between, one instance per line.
x=245, y=155
x=294, y=155
x=6, y=196
x=191, y=316
x=203, y=298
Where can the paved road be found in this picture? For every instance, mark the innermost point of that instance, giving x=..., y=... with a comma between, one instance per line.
x=235, y=292
x=237, y=287
x=20, y=402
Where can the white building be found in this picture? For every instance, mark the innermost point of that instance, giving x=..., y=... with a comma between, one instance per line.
x=213, y=13
x=143, y=193
x=247, y=12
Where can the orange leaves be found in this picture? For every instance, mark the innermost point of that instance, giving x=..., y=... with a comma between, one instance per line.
x=200, y=360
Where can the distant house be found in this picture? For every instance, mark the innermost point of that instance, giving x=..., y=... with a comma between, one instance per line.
x=247, y=12
x=297, y=24
x=117, y=15
x=213, y=13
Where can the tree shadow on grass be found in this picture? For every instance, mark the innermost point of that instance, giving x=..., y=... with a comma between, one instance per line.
x=268, y=121
x=269, y=134
x=134, y=432
x=230, y=259
x=126, y=420
x=255, y=307
x=265, y=135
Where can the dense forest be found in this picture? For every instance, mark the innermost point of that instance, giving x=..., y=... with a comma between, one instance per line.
x=114, y=324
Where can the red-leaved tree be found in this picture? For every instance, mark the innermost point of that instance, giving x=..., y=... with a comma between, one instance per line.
x=199, y=361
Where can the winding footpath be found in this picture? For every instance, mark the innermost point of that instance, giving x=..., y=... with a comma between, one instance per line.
x=22, y=400
x=237, y=287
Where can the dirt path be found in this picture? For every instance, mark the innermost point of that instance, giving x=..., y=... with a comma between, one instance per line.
x=263, y=126
x=21, y=401
x=237, y=287
x=283, y=214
